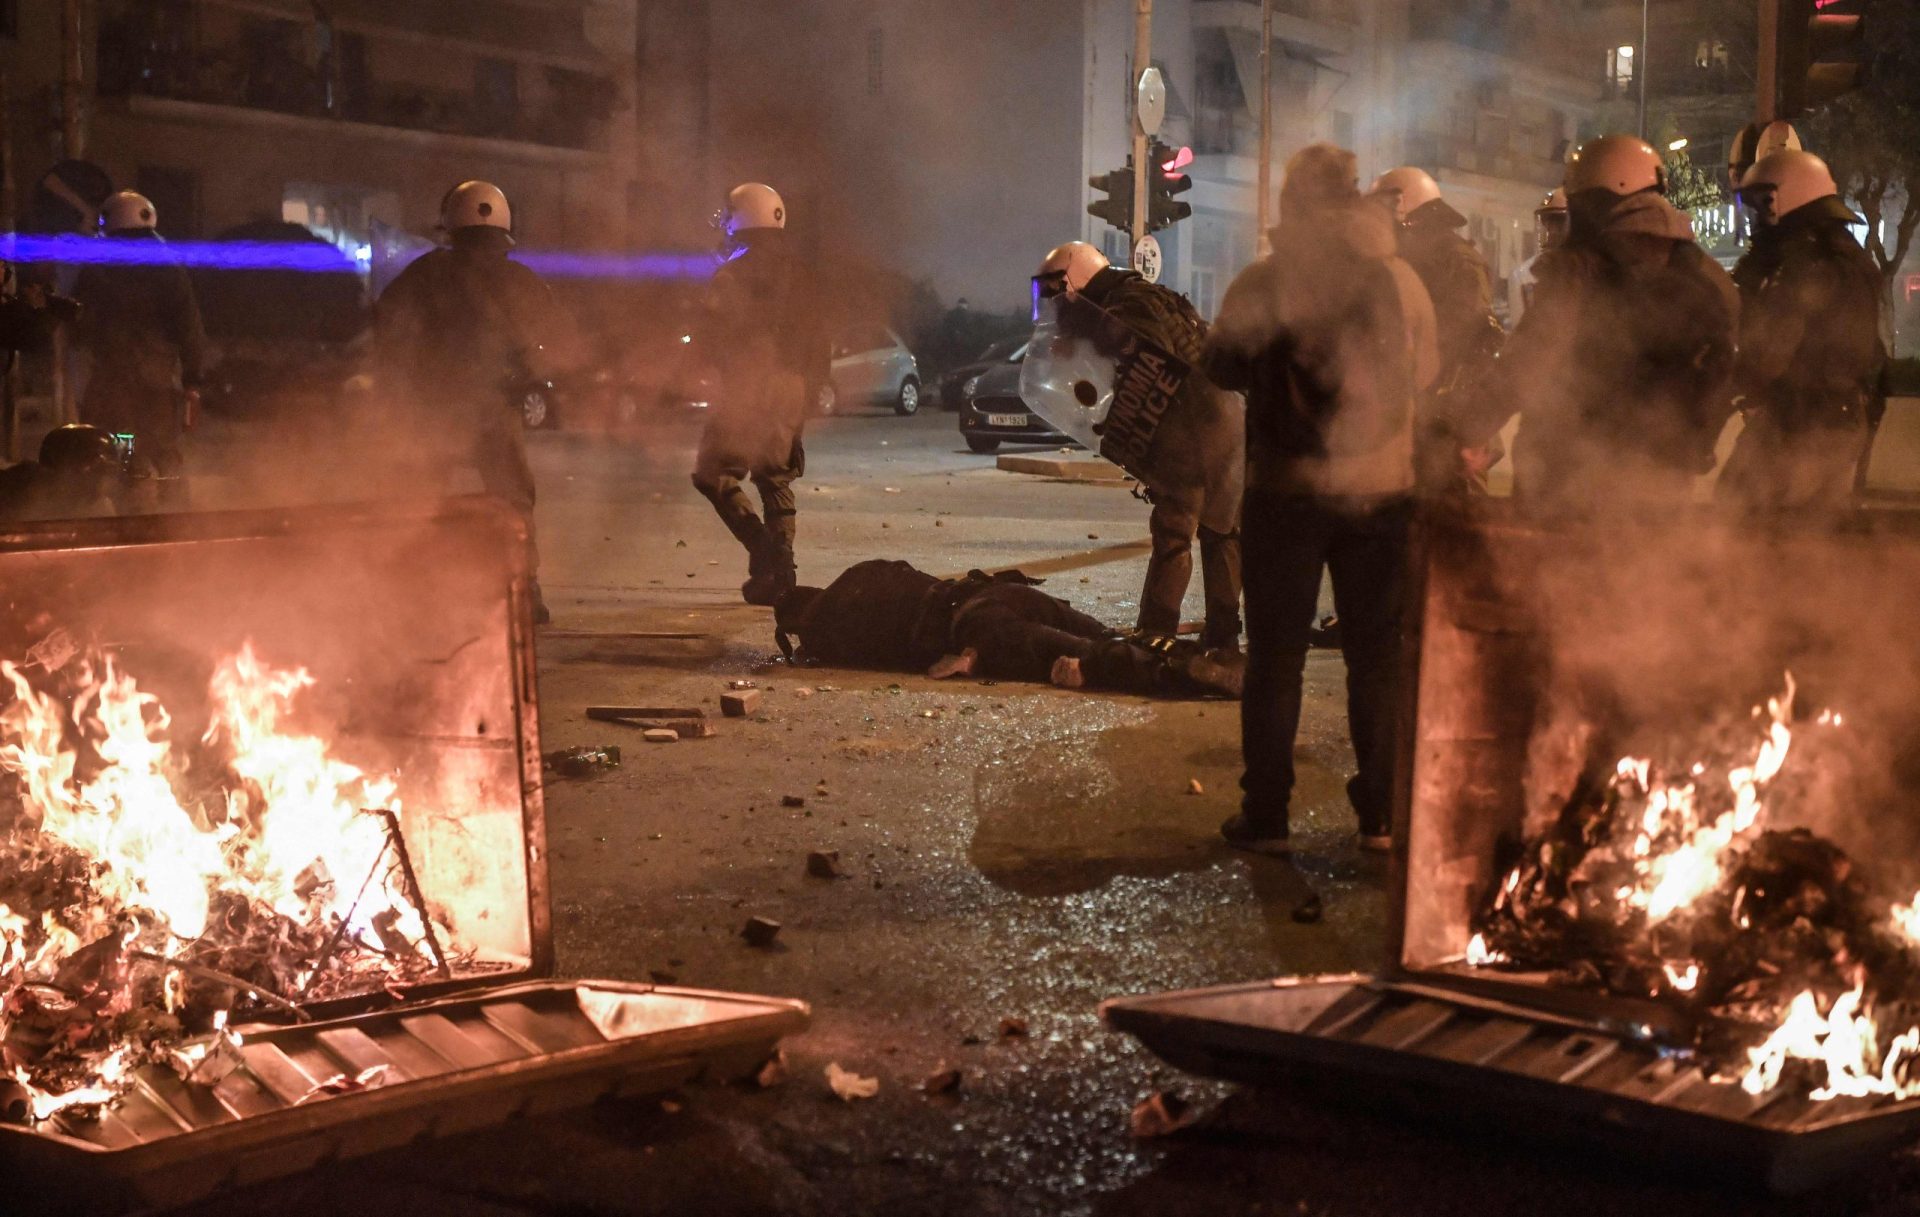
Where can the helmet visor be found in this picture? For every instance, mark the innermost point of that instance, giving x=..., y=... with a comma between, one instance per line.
x=1047, y=285
x=1760, y=200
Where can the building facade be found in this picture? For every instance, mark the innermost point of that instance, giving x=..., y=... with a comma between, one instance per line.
x=956, y=141
x=346, y=115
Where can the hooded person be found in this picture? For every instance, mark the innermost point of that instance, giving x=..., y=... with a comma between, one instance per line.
x=1810, y=356
x=452, y=332
x=1332, y=339
x=1620, y=369
x=1195, y=470
x=140, y=327
x=1458, y=282
x=888, y=615
x=763, y=334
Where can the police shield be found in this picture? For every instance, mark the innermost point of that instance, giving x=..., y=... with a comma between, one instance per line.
x=1064, y=378
x=1098, y=380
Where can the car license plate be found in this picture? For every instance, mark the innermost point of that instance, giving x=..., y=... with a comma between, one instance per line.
x=1008, y=420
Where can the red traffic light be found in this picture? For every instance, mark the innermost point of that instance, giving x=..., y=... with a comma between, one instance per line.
x=1180, y=160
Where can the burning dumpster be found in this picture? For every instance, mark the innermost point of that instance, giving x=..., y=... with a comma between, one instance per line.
x=1655, y=871
x=274, y=884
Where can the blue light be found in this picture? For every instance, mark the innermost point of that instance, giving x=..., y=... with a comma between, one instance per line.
x=319, y=259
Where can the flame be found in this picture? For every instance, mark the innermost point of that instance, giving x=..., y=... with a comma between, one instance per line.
x=1479, y=954
x=158, y=856
x=1674, y=877
x=1844, y=1041
x=1682, y=979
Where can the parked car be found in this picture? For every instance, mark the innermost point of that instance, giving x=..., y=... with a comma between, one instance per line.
x=952, y=384
x=872, y=367
x=993, y=414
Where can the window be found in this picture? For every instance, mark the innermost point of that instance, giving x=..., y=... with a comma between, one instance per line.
x=1620, y=68
x=876, y=61
x=176, y=197
x=1340, y=128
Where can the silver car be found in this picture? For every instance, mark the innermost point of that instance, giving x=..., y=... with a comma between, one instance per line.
x=872, y=367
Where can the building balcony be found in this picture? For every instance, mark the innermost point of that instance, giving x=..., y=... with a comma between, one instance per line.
x=1309, y=27
x=1440, y=152
x=276, y=57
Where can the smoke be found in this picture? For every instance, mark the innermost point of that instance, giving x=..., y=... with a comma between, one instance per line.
x=1552, y=650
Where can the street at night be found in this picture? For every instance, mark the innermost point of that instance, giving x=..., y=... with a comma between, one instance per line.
x=1289, y=607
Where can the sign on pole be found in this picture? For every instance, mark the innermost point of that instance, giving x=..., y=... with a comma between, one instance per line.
x=1146, y=259
x=1150, y=101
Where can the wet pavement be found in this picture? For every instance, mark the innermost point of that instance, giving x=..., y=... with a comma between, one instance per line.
x=1010, y=852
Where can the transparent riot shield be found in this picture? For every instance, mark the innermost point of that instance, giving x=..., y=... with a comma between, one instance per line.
x=1066, y=378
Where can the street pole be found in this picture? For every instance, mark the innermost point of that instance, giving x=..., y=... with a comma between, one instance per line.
x=1262, y=215
x=1766, y=76
x=1646, y=63
x=1142, y=60
x=73, y=127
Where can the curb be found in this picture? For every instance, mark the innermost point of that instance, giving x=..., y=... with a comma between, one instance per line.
x=1070, y=470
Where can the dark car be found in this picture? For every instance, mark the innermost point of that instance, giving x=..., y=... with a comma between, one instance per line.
x=993, y=414
x=953, y=384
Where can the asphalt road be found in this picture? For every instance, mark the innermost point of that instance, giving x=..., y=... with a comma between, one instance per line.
x=1012, y=852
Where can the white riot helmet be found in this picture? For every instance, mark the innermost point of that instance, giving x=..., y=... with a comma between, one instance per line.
x=1755, y=143
x=1066, y=268
x=1618, y=164
x=1551, y=220
x=128, y=212
x=475, y=205
x=1406, y=189
x=1782, y=183
x=753, y=205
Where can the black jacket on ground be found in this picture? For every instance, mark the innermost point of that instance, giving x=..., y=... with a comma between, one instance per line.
x=1810, y=350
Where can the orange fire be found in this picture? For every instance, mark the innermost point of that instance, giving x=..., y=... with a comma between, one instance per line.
x=101, y=773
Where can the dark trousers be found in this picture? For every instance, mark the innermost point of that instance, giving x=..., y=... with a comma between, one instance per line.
x=720, y=476
x=1173, y=525
x=1019, y=632
x=499, y=455
x=1289, y=541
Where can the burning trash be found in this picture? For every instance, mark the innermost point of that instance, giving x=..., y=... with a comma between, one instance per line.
x=160, y=880
x=1674, y=879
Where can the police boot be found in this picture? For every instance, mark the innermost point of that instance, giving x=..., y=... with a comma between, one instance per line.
x=770, y=573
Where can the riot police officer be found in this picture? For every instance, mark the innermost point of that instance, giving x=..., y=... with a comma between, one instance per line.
x=452, y=333
x=140, y=327
x=1810, y=352
x=1196, y=467
x=763, y=335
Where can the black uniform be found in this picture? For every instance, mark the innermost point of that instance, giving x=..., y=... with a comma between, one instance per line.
x=889, y=615
x=141, y=327
x=451, y=334
x=763, y=333
x=1197, y=463
x=1621, y=368
x=1810, y=361
x=1461, y=288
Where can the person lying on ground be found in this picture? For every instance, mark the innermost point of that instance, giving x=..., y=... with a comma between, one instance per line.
x=886, y=614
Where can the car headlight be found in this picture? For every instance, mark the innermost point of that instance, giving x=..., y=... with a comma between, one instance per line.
x=972, y=386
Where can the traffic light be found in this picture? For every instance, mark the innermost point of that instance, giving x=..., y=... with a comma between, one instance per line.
x=1164, y=182
x=1823, y=51
x=1117, y=207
